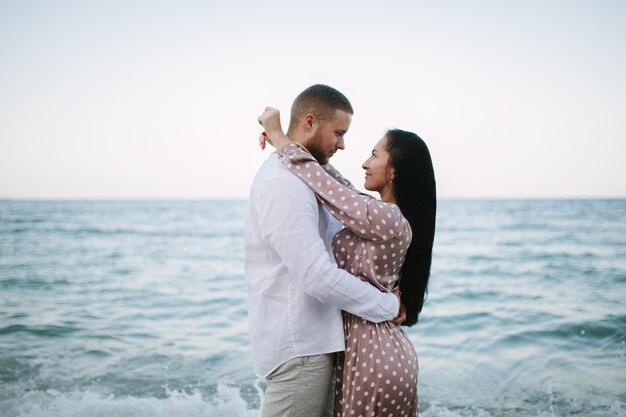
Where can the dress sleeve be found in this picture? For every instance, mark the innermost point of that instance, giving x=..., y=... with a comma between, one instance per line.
x=359, y=212
x=333, y=172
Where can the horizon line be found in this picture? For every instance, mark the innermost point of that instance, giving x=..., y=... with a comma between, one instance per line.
x=223, y=198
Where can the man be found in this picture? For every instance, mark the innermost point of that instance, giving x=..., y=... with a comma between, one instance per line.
x=296, y=291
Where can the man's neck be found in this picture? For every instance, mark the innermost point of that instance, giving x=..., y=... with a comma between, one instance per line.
x=297, y=137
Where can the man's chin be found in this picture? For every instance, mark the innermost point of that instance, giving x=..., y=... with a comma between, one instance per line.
x=318, y=155
x=323, y=160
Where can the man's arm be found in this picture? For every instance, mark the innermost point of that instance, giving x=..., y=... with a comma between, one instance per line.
x=288, y=221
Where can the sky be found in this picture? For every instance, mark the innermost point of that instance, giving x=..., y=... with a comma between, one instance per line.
x=159, y=99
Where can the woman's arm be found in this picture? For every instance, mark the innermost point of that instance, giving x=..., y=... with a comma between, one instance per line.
x=337, y=175
x=359, y=212
x=274, y=135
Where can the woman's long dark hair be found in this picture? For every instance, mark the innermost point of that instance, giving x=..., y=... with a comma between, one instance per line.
x=415, y=192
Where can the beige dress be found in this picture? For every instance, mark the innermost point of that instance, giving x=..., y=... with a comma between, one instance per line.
x=377, y=374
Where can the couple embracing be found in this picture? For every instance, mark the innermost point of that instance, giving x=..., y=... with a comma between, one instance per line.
x=331, y=271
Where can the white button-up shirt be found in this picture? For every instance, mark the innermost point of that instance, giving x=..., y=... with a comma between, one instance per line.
x=295, y=290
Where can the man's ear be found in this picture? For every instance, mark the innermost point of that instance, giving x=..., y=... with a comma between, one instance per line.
x=310, y=123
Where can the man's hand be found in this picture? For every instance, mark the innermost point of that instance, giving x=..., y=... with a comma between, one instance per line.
x=402, y=313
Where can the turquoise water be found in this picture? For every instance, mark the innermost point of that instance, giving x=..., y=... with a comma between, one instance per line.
x=139, y=309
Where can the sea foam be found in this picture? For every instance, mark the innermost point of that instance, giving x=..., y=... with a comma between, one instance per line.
x=87, y=403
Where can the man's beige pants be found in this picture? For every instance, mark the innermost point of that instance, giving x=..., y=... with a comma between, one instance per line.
x=301, y=387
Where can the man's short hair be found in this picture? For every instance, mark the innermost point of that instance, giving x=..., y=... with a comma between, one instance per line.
x=320, y=100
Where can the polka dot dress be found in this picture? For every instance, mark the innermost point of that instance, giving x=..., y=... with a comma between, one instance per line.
x=377, y=373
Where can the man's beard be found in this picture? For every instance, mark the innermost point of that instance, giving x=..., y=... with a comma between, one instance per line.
x=315, y=147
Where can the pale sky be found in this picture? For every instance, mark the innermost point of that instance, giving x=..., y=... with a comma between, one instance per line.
x=159, y=99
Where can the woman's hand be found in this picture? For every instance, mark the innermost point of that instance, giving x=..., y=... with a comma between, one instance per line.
x=270, y=120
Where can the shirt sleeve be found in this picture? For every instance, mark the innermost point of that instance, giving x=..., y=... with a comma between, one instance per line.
x=359, y=212
x=288, y=221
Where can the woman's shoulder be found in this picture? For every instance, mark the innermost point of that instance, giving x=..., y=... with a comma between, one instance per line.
x=386, y=210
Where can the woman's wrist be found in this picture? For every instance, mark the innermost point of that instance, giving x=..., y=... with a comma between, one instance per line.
x=280, y=140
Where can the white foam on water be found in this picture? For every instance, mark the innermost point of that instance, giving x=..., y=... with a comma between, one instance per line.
x=436, y=410
x=616, y=409
x=51, y=403
x=226, y=403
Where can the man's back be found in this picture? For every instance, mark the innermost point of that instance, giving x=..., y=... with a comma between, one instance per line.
x=285, y=320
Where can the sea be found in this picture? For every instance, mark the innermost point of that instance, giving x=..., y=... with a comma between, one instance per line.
x=138, y=308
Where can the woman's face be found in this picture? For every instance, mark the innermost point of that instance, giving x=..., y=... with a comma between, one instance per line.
x=378, y=171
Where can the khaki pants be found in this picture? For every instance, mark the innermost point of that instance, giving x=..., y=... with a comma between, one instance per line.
x=301, y=387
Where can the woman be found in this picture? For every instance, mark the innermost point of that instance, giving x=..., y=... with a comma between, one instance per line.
x=387, y=242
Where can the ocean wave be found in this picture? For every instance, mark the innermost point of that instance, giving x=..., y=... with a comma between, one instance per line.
x=83, y=231
x=227, y=402
x=47, y=331
x=32, y=282
x=17, y=230
x=608, y=336
x=615, y=409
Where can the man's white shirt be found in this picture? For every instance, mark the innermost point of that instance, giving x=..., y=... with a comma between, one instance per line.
x=295, y=290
